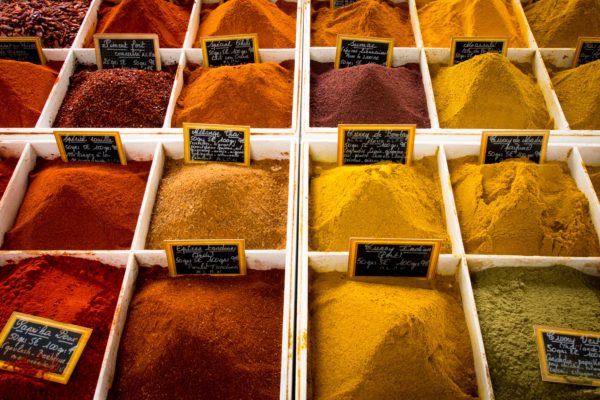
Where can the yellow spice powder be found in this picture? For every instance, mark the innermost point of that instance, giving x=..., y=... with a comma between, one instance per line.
x=383, y=200
x=374, y=341
x=518, y=207
x=594, y=173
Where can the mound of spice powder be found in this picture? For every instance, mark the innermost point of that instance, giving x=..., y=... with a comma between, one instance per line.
x=56, y=22
x=169, y=21
x=519, y=207
x=488, y=91
x=383, y=200
x=367, y=94
x=65, y=289
x=79, y=206
x=561, y=23
x=24, y=88
x=109, y=98
x=510, y=301
x=385, y=341
x=578, y=91
x=222, y=201
x=275, y=28
x=440, y=20
x=594, y=173
x=225, y=332
x=7, y=167
x=376, y=18
x=258, y=95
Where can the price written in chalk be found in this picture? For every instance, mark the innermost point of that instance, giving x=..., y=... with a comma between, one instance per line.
x=28, y=49
x=500, y=146
x=48, y=348
x=465, y=48
x=206, y=257
x=568, y=355
x=369, y=144
x=357, y=50
x=133, y=51
x=100, y=147
x=334, y=4
x=412, y=258
x=220, y=143
x=219, y=51
x=587, y=51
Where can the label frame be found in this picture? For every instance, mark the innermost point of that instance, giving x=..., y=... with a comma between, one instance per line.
x=462, y=39
x=172, y=267
x=486, y=134
x=74, y=359
x=58, y=135
x=579, y=47
x=340, y=39
x=332, y=4
x=342, y=128
x=187, y=151
x=436, y=249
x=251, y=36
x=34, y=39
x=539, y=330
x=128, y=36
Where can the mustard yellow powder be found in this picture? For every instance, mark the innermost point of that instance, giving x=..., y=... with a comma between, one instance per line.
x=488, y=91
x=519, y=207
x=381, y=201
x=578, y=91
x=560, y=23
x=374, y=341
x=440, y=20
x=594, y=173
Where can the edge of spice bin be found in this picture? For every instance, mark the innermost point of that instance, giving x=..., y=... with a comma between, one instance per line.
x=519, y=55
x=563, y=152
x=117, y=259
x=195, y=57
x=134, y=151
x=519, y=9
x=257, y=260
x=11, y=199
x=401, y=56
x=88, y=25
x=88, y=57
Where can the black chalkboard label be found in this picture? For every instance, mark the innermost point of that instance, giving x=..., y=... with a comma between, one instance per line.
x=412, y=258
x=220, y=143
x=219, y=51
x=588, y=50
x=568, y=355
x=369, y=144
x=465, y=48
x=356, y=50
x=206, y=257
x=341, y=3
x=27, y=49
x=100, y=147
x=48, y=347
x=499, y=146
x=133, y=51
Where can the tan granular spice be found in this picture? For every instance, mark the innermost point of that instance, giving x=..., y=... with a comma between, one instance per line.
x=222, y=201
x=594, y=173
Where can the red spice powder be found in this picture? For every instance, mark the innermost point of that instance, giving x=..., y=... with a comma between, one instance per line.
x=66, y=289
x=202, y=338
x=79, y=206
x=7, y=166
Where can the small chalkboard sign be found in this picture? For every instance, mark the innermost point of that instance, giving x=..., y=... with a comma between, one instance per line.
x=127, y=50
x=220, y=143
x=100, y=147
x=568, y=355
x=465, y=48
x=587, y=51
x=206, y=257
x=219, y=51
x=27, y=49
x=357, y=50
x=334, y=4
x=498, y=146
x=412, y=258
x=370, y=144
x=48, y=348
